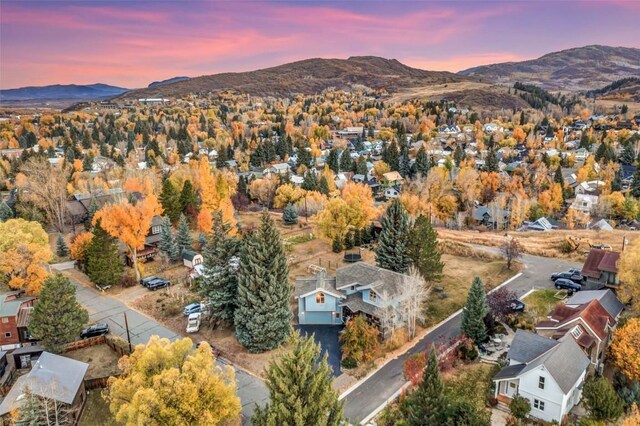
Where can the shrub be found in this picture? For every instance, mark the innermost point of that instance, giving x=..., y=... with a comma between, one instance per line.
x=601, y=399
x=520, y=407
x=349, y=363
x=413, y=367
x=128, y=280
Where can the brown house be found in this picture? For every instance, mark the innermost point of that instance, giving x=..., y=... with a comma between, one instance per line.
x=589, y=324
x=15, y=310
x=53, y=377
x=600, y=269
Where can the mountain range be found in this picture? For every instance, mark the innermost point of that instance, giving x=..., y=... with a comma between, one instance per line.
x=579, y=70
x=62, y=91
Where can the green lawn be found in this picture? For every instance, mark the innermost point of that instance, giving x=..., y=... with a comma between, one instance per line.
x=541, y=302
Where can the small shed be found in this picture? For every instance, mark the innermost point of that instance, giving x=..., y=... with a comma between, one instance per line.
x=191, y=258
x=24, y=356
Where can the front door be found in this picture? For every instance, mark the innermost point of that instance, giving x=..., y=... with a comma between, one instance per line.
x=25, y=361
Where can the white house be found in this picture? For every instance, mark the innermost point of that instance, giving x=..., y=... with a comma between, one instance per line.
x=278, y=169
x=549, y=373
x=584, y=202
x=391, y=192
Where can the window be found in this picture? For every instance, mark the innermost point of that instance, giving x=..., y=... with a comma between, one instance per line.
x=155, y=230
x=5, y=320
x=576, y=331
x=353, y=288
x=373, y=296
x=320, y=298
x=538, y=405
x=541, y=382
x=7, y=334
x=512, y=385
x=337, y=315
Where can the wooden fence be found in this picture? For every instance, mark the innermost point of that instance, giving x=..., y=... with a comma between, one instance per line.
x=97, y=383
x=120, y=349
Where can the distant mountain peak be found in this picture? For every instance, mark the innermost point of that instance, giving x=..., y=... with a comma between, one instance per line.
x=79, y=92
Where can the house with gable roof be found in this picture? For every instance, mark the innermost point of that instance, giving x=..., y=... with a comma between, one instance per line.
x=549, y=373
x=600, y=269
x=356, y=289
x=589, y=324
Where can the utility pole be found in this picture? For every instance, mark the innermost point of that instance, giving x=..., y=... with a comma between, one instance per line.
x=126, y=325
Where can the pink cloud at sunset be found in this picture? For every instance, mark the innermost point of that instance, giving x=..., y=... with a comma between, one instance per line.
x=133, y=43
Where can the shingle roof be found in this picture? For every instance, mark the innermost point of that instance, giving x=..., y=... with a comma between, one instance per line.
x=607, y=299
x=355, y=303
x=509, y=372
x=306, y=285
x=592, y=313
x=53, y=376
x=526, y=346
x=598, y=261
x=365, y=275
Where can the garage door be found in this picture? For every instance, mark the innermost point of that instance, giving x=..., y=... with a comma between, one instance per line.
x=317, y=317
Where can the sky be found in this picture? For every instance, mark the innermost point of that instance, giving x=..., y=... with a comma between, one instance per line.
x=131, y=43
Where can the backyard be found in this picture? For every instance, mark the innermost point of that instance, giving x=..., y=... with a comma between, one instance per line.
x=540, y=302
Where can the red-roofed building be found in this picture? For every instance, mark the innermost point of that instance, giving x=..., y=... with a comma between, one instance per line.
x=600, y=269
x=590, y=325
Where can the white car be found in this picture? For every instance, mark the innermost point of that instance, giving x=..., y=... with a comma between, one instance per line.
x=193, y=322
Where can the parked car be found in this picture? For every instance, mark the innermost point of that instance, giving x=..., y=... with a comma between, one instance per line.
x=563, y=283
x=575, y=277
x=95, y=330
x=215, y=351
x=193, y=308
x=193, y=323
x=145, y=281
x=159, y=283
x=516, y=305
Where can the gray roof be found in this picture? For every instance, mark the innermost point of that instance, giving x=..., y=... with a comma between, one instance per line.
x=355, y=303
x=363, y=275
x=11, y=308
x=509, y=372
x=189, y=254
x=607, y=299
x=563, y=358
x=527, y=346
x=320, y=281
x=53, y=376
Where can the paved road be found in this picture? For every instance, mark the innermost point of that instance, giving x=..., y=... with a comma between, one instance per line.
x=103, y=308
x=364, y=400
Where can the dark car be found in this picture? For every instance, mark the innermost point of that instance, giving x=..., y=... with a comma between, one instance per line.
x=145, y=281
x=192, y=308
x=563, y=283
x=569, y=275
x=99, y=329
x=160, y=283
x=516, y=306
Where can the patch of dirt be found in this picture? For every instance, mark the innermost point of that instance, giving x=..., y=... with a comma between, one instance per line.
x=102, y=360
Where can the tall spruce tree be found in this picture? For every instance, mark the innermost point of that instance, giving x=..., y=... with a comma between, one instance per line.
x=57, y=317
x=91, y=211
x=422, y=162
x=491, y=162
x=427, y=405
x=188, y=199
x=635, y=182
x=183, y=239
x=103, y=258
x=5, y=211
x=361, y=166
x=300, y=391
x=263, y=316
x=346, y=162
x=392, y=251
x=219, y=285
x=290, y=215
x=61, y=246
x=168, y=243
x=170, y=200
x=474, y=311
x=423, y=250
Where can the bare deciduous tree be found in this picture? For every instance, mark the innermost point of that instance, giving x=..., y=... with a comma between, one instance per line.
x=45, y=186
x=413, y=296
x=511, y=251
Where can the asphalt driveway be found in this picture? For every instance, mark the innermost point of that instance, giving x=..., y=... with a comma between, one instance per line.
x=327, y=337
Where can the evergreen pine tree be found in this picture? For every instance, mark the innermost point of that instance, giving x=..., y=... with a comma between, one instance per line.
x=183, y=239
x=57, y=317
x=220, y=281
x=188, y=199
x=337, y=245
x=104, y=267
x=391, y=155
x=346, y=163
x=167, y=243
x=361, y=166
x=474, y=311
x=263, y=315
x=427, y=405
x=392, y=251
x=300, y=390
x=635, y=183
x=5, y=212
x=491, y=162
x=91, y=211
x=558, y=178
x=170, y=200
x=423, y=250
x=458, y=155
x=422, y=162
x=310, y=181
x=323, y=185
x=628, y=155
x=290, y=215
x=61, y=247
x=332, y=160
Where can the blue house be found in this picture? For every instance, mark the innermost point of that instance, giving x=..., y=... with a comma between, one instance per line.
x=357, y=289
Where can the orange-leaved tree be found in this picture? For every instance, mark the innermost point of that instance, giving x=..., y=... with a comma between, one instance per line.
x=625, y=349
x=24, y=249
x=129, y=223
